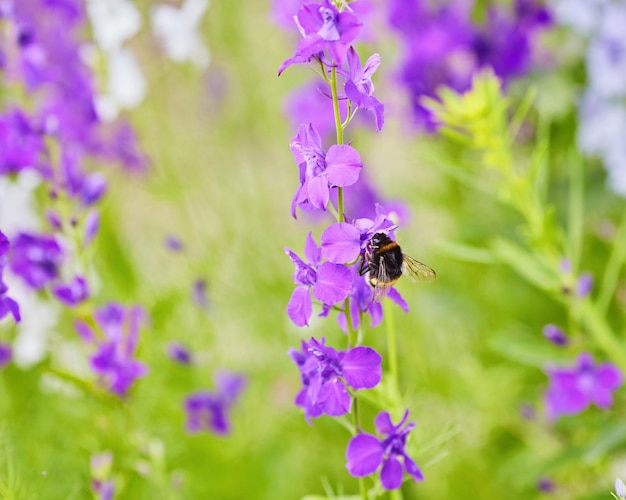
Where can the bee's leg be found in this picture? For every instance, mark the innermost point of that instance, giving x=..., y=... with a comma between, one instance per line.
x=364, y=267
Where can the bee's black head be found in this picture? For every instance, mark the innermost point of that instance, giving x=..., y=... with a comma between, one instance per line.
x=378, y=239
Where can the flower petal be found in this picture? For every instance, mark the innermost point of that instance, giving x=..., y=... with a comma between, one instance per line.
x=341, y=242
x=343, y=165
x=362, y=368
x=317, y=190
x=383, y=424
x=334, y=398
x=312, y=252
x=412, y=468
x=334, y=282
x=391, y=475
x=300, y=308
x=364, y=455
x=394, y=295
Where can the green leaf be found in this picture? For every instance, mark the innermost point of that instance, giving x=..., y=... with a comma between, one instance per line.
x=528, y=350
x=526, y=264
x=467, y=253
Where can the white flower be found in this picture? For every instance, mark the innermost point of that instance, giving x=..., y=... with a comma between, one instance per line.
x=606, y=55
x=113, y=21
x=178, y=31
x=602, y=124
x=583, y=16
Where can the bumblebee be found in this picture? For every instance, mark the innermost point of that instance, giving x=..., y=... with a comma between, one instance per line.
x=385, y=263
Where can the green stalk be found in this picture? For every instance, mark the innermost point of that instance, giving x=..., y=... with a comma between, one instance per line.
x=392, y=356
x=339, y=128
x=613, y=266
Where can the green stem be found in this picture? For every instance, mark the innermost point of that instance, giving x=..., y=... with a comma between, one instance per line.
x=339, y=128
x=601, y=331
x=392, y=355
x=611, y=272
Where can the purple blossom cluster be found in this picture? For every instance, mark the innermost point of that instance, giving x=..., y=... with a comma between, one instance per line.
x=443, y=45
x=573, y=389
x=330, y=274
x=208, y=410
x=115, y=341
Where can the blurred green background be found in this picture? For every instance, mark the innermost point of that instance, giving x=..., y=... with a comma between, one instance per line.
x=222, y=178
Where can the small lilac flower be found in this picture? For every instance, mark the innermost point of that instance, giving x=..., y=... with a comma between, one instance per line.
x=36, y=259
x=323, y=29
x=113, y=360
x=330, y=283
x=179, y=353
x=5, y=355
x=338, y=167
x=584, y=284
x=199, y=293
x=343, y=242
x=546, y=485
x=208, y=410
x=173, y=243
x=91, y=226
x=326, y=375
x=572, y=389
x=7, y=304
x=555, y=335
x=367, y=453
x=72, y=293
x=359, y=87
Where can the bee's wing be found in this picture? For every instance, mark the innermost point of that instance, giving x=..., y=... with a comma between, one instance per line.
x=417, y=270
x=382, y=281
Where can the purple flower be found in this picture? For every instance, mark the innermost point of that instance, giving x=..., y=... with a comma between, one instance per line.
x=330, y=283
x=179, y=353
x=367, y=453
x=343, y=242
x=620, y=488
x=320, y=171
x=7, y=304
x=73, y=293
x=199, y=293
x=572, y=389
x=359, y=87
x=326, y=375
x=5, y=354
x=555, y=335
x=21, y=145
x=584, y=284
x=208, y=410
x=323, y=29
x=173, y=243
x=113, y=360
x=36, y=259
x=546, y=485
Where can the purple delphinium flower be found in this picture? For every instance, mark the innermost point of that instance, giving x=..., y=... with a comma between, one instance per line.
x=367, y=453
x=72, y=293
x=326, y=375
x=114, y=359
x=5, y=354
x=442, y=46
x=584, y=284
x=179, y=353
x=330, y=283
x=199, y=294
x=359, y=87
x=572, y=389
x=101, y=485
x=208, y=410
x=343, y=242
x=338, y=167
x=36, y=259
x=174, y=243
x=555, y=335
x=361, y=300
x=7, y=304
x=546, y=485
x=323, y=29
x=21, y=145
